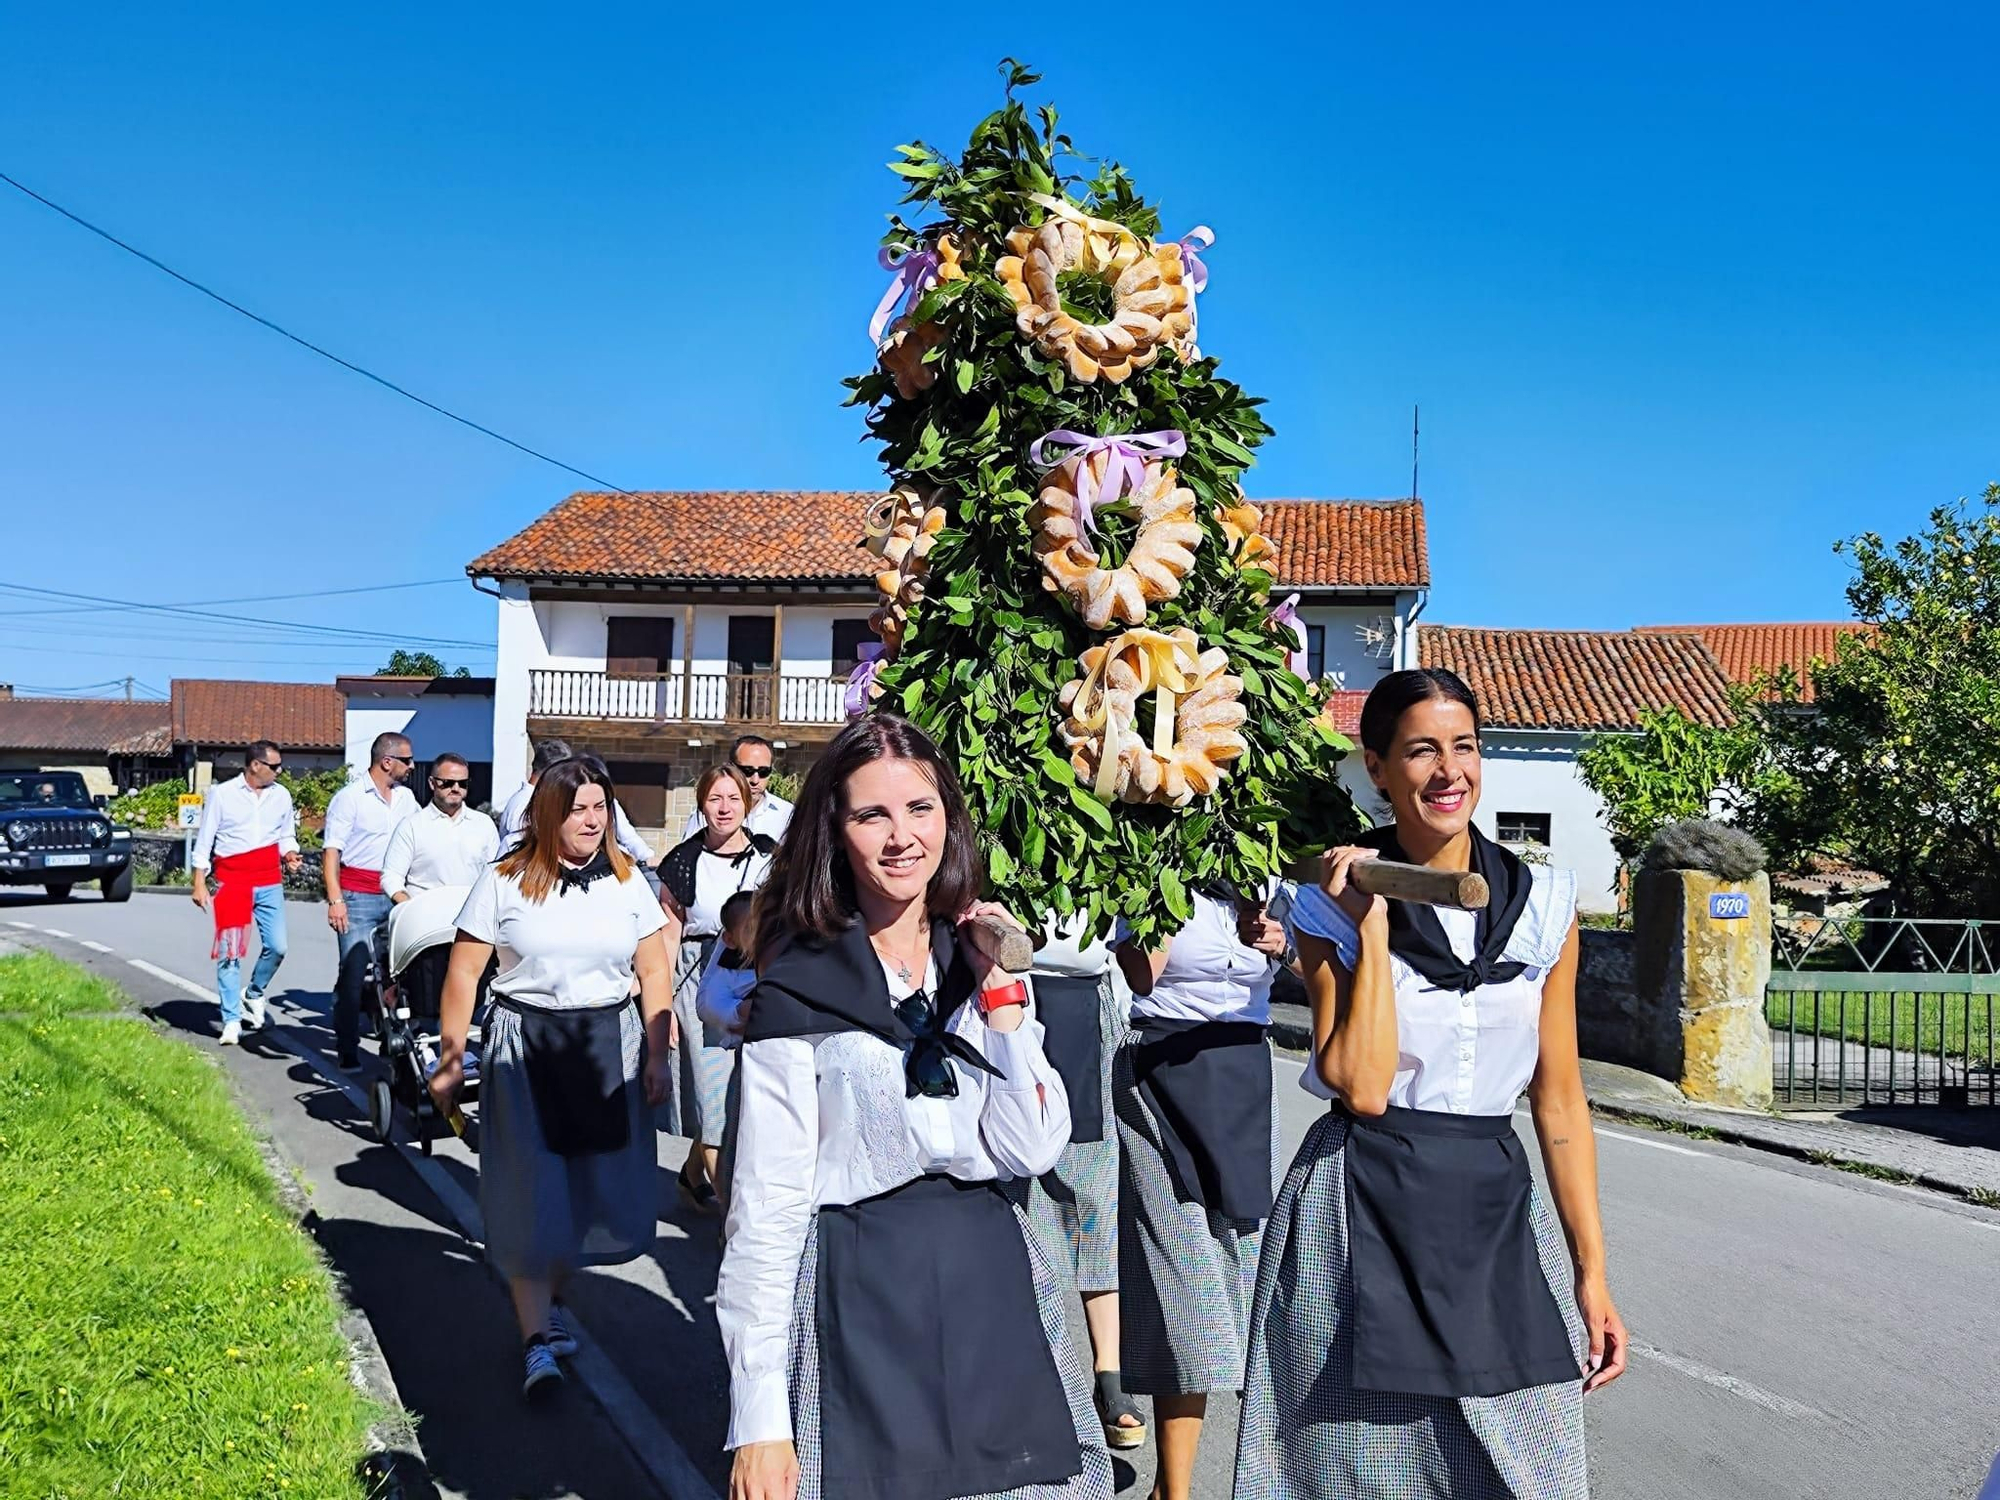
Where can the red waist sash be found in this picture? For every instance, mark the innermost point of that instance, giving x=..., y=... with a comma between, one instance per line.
x=234, y=903
x=360, y=882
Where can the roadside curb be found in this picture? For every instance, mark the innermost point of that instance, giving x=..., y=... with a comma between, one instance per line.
x=396, y=1468
x=1739, y=1131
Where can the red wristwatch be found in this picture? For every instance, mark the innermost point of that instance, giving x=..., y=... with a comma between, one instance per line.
x=1013, y=992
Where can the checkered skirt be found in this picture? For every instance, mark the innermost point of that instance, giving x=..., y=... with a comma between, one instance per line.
x=1074, y=1207
x=1092, y=1483
x=1185, y=1275
x=1307, y=1434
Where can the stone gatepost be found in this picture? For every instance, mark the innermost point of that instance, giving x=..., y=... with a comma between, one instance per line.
x=1704, y=953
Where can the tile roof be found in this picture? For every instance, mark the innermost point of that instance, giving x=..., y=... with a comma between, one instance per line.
x=1348, y=544
x=1579, y=679
x=297, y=715
x=814, y=536
x=92, y=725
x=1747, y=652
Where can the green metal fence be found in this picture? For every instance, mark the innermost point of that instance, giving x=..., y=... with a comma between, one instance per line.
x=1884, y=1010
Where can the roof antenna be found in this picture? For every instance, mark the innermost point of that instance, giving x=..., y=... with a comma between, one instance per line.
x=1415, y=430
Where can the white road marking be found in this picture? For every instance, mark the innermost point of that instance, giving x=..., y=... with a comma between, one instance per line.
x=174, y=979
x=1722, y=1380
x=24, y=926
x=656, y=1449
x=55, y=932
x=95, y=947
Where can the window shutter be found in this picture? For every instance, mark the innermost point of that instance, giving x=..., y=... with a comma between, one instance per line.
x=638, y=645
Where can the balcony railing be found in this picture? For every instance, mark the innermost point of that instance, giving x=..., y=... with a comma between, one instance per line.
x=772, y=698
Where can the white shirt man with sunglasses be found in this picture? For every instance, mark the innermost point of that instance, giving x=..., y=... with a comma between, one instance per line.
x=359, y=820
x=770, y=814
x=447, y=843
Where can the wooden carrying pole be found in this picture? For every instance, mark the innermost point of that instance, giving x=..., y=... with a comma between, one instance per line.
x=1461, y=889
x=1007, y=945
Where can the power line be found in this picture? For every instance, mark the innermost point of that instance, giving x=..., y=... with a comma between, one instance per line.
x=82, y=687
x=339, y=632
x=327, y=354
x=376, y=588
x=199, y=657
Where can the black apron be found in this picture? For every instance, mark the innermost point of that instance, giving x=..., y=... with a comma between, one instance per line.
x=575, y=1062
x=1070, y=1010
x=1208, y=1086
x=935, y=1376
x=1449, y=1295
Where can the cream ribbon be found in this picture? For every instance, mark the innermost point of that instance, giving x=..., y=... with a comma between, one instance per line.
x=1065, y=209
x=1164, y=667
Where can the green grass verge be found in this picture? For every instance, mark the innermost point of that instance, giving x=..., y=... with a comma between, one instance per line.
x=1963, y=1020
x=170, y=1331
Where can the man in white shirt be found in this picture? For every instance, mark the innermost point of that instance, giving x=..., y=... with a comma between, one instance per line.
x=514, y=816
x=359, y=820
x=249, y=838
x=447, y=843
x=769, y=813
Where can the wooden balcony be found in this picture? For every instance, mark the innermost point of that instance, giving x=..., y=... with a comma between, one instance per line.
x=636, y=704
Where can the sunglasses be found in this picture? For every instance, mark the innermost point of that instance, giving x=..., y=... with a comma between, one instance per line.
x=927, y=1070
x=408, y=760
x=760, y=772
x=272, y=766
x=442, y=782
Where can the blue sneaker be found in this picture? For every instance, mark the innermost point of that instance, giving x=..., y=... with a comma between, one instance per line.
x=561, y=1337
x=544, y=1376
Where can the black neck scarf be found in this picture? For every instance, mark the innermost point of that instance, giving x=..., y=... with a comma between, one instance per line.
x=1416, y=936
x=814, y=987
x=580, y=879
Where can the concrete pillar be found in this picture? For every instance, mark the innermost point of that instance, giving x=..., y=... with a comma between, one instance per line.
x=518, y=647
x=1704, y=955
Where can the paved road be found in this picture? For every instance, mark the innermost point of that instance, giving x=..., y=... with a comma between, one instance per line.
x=1802, y=1334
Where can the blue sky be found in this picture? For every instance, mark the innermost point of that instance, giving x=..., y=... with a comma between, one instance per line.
x=1685, y=295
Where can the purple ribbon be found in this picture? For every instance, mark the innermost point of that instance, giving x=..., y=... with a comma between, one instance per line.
x=1192, y=244
x=1124, y=475
x=861, y=681
x=915, y=271
x=1286, y=617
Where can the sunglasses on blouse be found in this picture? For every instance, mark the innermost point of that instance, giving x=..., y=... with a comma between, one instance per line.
x=927, y=1070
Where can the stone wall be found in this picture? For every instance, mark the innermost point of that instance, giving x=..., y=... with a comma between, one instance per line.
x=1612, y=1025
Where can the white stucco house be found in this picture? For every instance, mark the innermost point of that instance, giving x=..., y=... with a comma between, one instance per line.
x=437, y=714
x=653, y=628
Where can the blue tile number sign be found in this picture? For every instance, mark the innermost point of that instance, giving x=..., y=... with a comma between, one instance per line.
x=1728, y=906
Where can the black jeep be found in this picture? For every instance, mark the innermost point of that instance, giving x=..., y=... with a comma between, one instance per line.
x=53, y=833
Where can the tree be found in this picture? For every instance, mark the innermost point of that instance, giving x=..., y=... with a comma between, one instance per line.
x=419, y=664
x=1674, y=768
x=1041, y=306
x=1896, y=764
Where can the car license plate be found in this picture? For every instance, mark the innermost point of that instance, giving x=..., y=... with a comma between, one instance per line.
x=59, y=861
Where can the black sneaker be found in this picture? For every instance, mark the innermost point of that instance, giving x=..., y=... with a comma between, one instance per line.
x=543, y=1375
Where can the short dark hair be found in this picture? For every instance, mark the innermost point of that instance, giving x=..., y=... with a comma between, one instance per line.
x=258, y=749
x=1399, y=692
x=450, y=758
x=548, y=752
x=810, y=892
x=736, y=908
x=752, y=739
x=383, y=742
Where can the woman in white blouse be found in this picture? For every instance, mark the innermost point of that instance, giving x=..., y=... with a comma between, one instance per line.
x=1191, y=1091
x=567, y=1150
x=893, y=1331
x=696, y=877
x=1421, y=1327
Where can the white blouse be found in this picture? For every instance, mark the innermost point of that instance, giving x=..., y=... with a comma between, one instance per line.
x=824, y=1122
x=1468, y=1054
x=717, y=877
x=569, y=949
x=1210, y=975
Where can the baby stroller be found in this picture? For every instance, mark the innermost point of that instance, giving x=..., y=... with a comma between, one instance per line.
x=403, y=997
